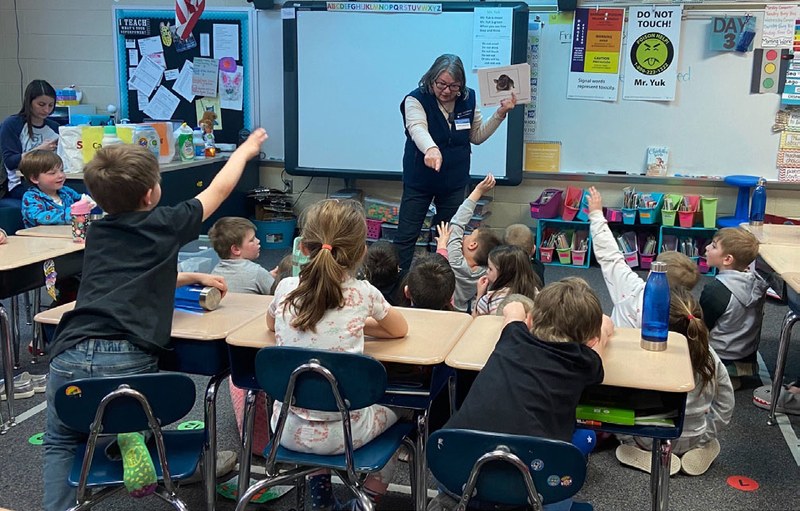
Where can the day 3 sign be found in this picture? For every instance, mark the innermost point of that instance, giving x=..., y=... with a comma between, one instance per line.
x=652, y=53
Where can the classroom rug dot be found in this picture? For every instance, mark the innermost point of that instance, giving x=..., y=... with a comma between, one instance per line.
x=743, y=483
x=37, y=439
x=191, y=425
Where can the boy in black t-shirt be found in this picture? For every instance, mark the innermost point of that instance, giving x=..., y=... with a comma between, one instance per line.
x=540, y=366
x=123, y=315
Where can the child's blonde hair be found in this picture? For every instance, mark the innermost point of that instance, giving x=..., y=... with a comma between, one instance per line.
x=527, y=303
x=739, y=243
x=38, y=161
x=334, y=235
x=519, y=235
x=119, y=176
x=227, y=232
x=567, y=311
x=681, y=271
x=686, y=317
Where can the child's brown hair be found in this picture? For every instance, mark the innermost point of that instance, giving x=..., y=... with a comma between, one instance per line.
x=227, y=232
x=514, y=271
x=487, y=241
x=681, y=271
x=431, y=283
x=381, y=264
x=739, y=243
x=567, y=311
x=519, y=235
x=334, y=236
x=526, y=301
x=119, y=176
x=38, y=161
x=686, y=317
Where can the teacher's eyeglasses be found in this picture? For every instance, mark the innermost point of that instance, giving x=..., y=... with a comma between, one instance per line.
x=442, y=86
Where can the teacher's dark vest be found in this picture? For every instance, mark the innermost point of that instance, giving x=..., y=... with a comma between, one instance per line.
x=453, y=144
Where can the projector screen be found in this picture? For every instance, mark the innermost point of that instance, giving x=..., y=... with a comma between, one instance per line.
x=346, y=73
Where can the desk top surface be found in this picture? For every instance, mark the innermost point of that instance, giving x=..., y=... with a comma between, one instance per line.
x=781, y=258
x=235, y=310
x=775, y=234
x=431, y=336
x=625, y=363
x=47, y=231
x=23, y=250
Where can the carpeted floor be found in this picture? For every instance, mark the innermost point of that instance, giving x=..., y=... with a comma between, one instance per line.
x=749, y=448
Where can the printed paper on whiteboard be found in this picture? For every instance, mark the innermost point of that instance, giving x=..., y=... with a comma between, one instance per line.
x=497, y=83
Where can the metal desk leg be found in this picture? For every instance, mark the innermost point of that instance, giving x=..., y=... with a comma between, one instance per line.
x=8, y=370
x=210, y=445
x=245, y=455
x=420, y=463
x=659, y=474
x=28, y=314
x=15, y=329
x=38, y=338
x=783, y=349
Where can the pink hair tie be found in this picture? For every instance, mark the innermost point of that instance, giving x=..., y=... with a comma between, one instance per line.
x=325, y=246
x=690, y=317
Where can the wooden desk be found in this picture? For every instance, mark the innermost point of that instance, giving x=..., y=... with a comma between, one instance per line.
x=775, y=234
x=431, y=336
x=21, y=270
x=47, y=231
x=198, y=342
x=626, y=365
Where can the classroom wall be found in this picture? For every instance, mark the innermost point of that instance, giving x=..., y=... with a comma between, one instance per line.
x=71, y=43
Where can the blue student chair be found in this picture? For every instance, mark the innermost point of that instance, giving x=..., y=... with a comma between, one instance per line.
x=105, y=407
x=331, y=382
x=510, y=470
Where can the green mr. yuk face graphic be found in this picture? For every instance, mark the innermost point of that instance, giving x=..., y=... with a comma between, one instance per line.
x=652, y=53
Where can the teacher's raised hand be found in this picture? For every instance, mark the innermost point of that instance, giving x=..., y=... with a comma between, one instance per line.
x=433, y=158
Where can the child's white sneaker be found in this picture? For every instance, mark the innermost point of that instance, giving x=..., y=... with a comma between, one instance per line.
x=696, y=461
x=639, y=458
x=23, y=387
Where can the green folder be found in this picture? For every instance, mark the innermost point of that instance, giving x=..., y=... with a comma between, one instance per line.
x=605, y=414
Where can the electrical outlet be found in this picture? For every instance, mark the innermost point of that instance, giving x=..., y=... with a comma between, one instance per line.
x=288, y=185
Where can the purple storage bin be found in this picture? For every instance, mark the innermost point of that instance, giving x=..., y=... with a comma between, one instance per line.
x=548, y=204
x=614, y=214
x=645, y=261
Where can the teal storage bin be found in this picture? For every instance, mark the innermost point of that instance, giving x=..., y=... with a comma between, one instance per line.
x=652, y=215
x=275, y=233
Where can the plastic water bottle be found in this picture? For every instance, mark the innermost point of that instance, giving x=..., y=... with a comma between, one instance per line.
x=110, y=137
x=655, y=309
x=758, y=207
x=199, y=143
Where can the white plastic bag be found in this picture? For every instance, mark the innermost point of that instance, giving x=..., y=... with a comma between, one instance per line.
x=69, y=148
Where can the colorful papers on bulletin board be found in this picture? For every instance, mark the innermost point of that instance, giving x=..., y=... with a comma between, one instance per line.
x=204, y=77
x=778, y=26
x=596, y=43
x=203, y=105
x=491, y=31
x=725, y=33
x=230, y=89
x=534, y=37
x=543, y=156
x=654, y=45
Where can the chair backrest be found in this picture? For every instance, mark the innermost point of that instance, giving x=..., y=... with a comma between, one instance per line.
x=361, y=379
x=558, y=469
x=170, y=395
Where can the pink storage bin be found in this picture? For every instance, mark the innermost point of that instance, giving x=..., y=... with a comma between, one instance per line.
x=373, y=229
x=686, y=218
x=548, y=204
x=578, y=257
x=572, y=203
x=546, y=254
x=631, y=258
x=703, y=266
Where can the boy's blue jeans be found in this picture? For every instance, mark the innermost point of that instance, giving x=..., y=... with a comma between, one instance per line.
x=88, y=359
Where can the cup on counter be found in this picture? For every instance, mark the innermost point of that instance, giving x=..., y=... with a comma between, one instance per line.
x=80, y=220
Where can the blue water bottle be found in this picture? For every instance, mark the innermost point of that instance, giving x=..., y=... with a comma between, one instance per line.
x=758, y=207
x=655, y=309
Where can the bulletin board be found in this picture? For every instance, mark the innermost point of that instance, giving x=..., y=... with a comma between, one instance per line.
x=143, y=23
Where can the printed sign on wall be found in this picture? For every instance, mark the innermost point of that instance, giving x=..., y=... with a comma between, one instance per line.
x=652, y=53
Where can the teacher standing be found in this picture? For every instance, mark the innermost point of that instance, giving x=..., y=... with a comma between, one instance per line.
x=28, y=130
x=441, y=121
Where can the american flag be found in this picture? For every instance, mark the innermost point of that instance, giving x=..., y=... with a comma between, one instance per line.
x=187, y=12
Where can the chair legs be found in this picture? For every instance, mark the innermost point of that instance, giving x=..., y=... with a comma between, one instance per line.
x=245, y=455
x=210, y=446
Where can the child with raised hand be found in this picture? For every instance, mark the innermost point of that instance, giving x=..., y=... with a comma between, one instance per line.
x=123, y=314
x=624, y=285
x=48, y=201
x=326, y=307
x=509, y=272
x=733, y=303
x=468, y=253
x=235, y=242
x=709, y=406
